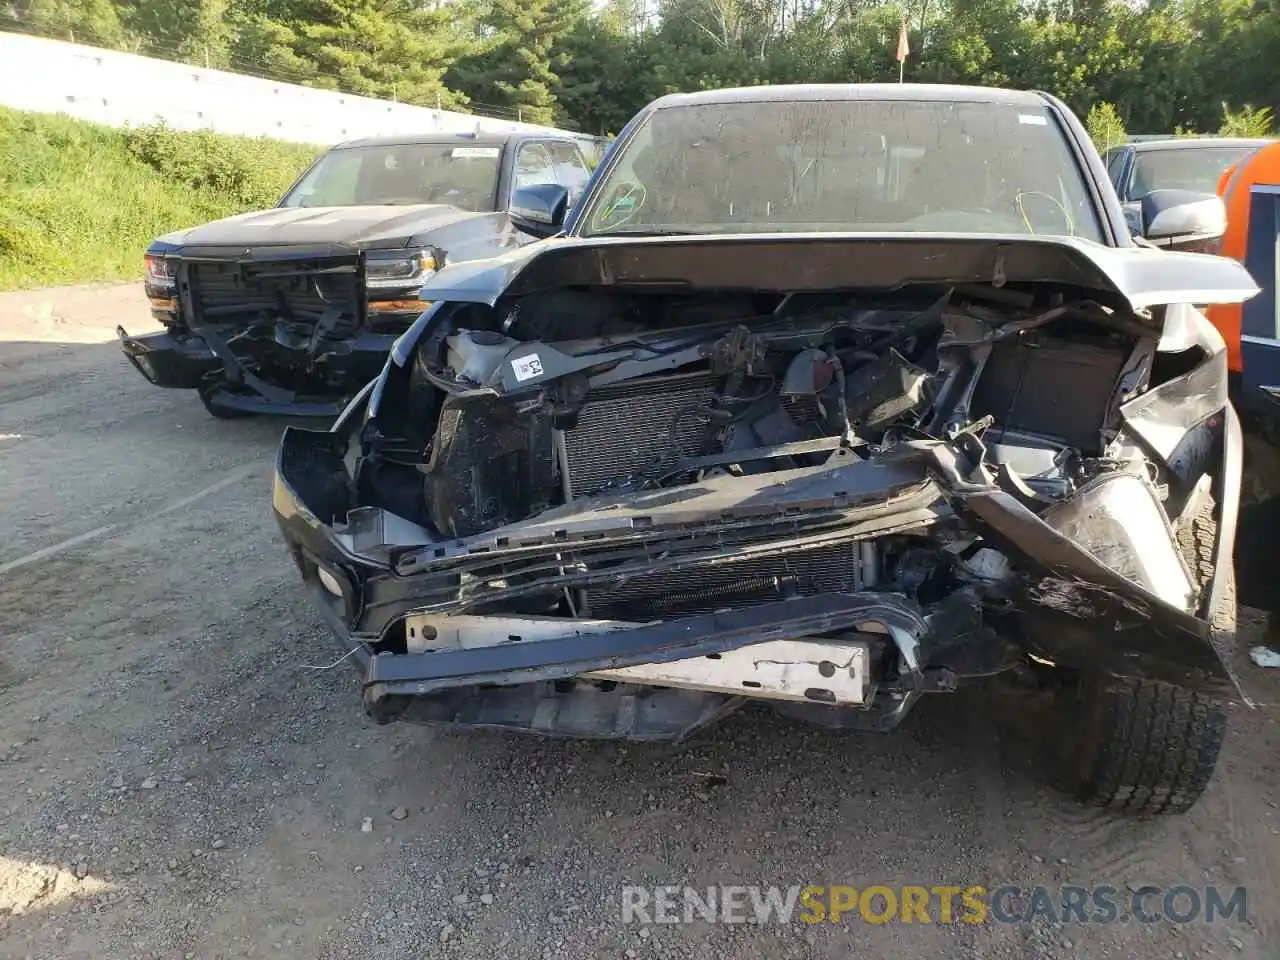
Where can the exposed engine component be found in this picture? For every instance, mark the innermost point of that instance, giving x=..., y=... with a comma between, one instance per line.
x=474, y=355
x=657, y=409
x=1056, y=389
x=490, y=464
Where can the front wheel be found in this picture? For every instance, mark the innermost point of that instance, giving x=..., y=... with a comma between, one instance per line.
x=1146, y=747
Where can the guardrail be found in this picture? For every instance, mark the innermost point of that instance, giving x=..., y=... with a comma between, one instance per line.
x=122, y=89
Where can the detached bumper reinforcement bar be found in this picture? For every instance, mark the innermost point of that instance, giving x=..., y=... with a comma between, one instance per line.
x=415, y=674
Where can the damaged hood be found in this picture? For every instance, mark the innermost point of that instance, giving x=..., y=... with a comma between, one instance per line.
x=358, y=227
x=1123, y=277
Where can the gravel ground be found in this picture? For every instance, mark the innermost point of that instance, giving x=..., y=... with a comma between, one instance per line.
x=177, y=780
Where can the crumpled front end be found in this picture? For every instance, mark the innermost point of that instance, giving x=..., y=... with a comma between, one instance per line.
x=596, y=516
x=271, y=332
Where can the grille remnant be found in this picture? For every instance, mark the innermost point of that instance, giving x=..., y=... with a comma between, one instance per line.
x=299, y=292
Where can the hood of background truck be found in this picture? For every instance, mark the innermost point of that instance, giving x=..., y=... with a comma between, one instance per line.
x=364, y=226
x=1133, y=277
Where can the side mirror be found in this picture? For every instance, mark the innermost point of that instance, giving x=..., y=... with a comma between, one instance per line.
x=1179, y=218
x=540, y=209
x=1133, y=216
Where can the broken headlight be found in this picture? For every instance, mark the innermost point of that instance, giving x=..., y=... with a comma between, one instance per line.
x=1118, y=518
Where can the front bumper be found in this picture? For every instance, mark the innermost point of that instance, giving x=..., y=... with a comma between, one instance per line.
x=201, y=362
x=639, y=681
x=169, y=362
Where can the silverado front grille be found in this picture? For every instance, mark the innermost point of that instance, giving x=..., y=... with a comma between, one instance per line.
x=632, y=430
x=300, y=293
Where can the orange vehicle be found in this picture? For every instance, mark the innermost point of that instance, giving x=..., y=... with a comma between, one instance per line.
x=1250, y=190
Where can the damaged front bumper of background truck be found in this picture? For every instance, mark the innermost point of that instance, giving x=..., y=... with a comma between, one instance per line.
x=408, y=614
x=204, y=362
x=273, y=330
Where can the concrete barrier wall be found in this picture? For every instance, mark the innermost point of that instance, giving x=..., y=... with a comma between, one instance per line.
x=121, y=89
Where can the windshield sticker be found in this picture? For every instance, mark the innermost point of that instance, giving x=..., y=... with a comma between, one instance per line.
x=527, y=367
x=1035, y=119
x=467, y=152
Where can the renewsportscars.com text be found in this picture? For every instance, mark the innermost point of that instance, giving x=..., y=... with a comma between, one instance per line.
x=941, y=903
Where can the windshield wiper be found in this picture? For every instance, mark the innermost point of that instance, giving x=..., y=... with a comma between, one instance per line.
x=650, y=232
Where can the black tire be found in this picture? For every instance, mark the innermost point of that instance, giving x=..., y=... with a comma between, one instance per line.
x=1197, y=539
x=222, y=413
x=1147, y=747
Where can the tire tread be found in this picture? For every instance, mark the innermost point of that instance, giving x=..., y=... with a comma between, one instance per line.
x=1155, y=749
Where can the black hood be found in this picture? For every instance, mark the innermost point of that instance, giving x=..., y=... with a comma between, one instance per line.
x=1130, y=278
x=358, y=227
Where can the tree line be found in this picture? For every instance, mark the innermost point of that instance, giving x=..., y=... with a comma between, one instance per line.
x=1151, y=66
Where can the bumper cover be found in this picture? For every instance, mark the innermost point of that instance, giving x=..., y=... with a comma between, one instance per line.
x=168, y=362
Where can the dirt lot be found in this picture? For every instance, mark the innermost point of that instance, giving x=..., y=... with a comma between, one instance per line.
x=176, y=780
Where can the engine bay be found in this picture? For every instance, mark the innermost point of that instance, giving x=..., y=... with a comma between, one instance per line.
x=572, y=398
x=499, y=422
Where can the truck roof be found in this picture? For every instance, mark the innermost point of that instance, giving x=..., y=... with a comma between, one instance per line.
x=856, y=91
x=458, y=139
x=1144, y=143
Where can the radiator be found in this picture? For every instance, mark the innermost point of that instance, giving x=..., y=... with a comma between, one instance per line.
x=632, y=430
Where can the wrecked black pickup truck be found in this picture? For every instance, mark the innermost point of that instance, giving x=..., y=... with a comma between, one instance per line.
x=292, y=310
x=826, y=398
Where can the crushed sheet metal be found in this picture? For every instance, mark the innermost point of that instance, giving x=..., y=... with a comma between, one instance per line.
x=821, y=671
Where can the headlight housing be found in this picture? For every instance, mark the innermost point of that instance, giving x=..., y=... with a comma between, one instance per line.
x=399, y=269
x=158, y=272
x=1118, y=518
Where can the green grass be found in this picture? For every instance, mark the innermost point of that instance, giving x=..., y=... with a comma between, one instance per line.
x=79, y=202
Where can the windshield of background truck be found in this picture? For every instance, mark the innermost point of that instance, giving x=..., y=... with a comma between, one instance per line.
x=464, y=176
x=845, y=165
x=1184, y=168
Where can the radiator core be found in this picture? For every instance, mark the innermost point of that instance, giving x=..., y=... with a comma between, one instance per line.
x=634, y=429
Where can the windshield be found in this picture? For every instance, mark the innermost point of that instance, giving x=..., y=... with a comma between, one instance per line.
x=1183, y=168
x=461, y=175
x=844, y=165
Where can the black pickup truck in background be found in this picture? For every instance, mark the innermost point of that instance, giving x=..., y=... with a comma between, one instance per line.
x=291, y=310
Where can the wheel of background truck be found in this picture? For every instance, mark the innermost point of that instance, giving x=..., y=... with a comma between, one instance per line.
x=1147, y=747
x=222, y=413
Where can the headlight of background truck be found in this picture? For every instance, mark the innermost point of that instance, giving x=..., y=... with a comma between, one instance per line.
x=392, y=279
x=160, y=287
